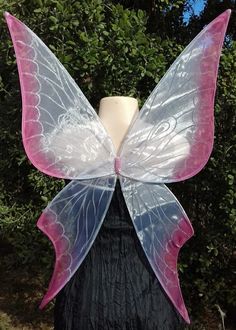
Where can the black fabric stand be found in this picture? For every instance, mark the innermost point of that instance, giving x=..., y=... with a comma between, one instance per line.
x=115, y=287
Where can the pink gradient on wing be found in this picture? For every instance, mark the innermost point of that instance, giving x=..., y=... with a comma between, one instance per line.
x=48, y=224
x=200, y=151
x=32, y=131
x=167, y=263
x=58, y=280
x=170, y=258
x=177, y=296
x=31, y=113
x=32, y=128
x=29, y=66
x=30, y=99
x=31, y=85
x=54, y=230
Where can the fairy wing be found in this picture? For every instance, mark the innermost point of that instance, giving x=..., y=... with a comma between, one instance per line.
x=172, y=137
x=171, y=140
x=62, y=134
x=72, y=221
x=162, y=227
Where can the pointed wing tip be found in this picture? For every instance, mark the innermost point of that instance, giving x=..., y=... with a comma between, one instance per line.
x=8, y=17
x=13, y=24
x=184, y=313
x=48, y=224
x=42, y=304
x=228, y=12
x=187, y=319
x=224, y=17
x=46, y=299
x=222, y=20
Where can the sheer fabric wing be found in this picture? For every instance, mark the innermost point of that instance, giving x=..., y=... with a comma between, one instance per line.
x=172, y=137
x=162, y=228
x=72, y=221
x=62, y=134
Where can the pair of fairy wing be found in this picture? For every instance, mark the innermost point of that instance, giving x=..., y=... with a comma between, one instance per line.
x=170, y=140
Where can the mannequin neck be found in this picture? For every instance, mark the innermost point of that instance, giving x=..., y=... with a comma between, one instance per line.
x=116, y=114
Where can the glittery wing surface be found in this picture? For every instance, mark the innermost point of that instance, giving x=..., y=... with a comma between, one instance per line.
x=172, y=137
x=162, y=228
x=62, y=133
x=72, y=221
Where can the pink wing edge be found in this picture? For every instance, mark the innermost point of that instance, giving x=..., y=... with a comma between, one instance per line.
x=200, y=152
x=180, y=237
x=63, y=261
x=47, y=222
x=170, y=255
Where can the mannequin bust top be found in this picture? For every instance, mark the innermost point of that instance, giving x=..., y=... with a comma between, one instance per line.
x=116, y=114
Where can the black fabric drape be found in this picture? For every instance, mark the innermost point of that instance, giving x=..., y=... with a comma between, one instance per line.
x=115, y=287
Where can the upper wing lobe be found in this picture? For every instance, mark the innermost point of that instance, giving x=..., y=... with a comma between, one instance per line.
x=62, y=134
x=171, y=139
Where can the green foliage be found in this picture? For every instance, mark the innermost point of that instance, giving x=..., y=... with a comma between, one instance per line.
x=113, y=50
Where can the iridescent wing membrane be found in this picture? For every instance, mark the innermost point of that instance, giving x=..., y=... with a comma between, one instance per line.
x=62, y=133
x=72, y=221
x=162, y=228
x=170, y=140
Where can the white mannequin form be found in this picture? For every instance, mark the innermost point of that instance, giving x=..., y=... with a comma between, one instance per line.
x=116, y=114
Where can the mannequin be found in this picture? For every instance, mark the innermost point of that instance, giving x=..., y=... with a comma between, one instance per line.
x=116, y=114
x=115, y=287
